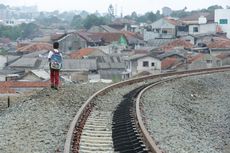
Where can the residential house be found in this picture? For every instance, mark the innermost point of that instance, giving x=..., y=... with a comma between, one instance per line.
x=194, y=18
x=102, y=28
x=86, y=52
x=165, y=28
x=111, y=67
x=225, y=58
x=7, y=74
x=134, y=40
x=90, y=39
x=142, y=63
x=69, y=42
x=173, y=61
x=199, y=61
x=158, y=42
x=109, y=38
x=202, y=27
x=107, y=66
x=222, y=17
x=25, y=48
x=25, y=64
x=123, y=24
x=80, y=70
x=3, y=60
x=177, y=43
x=35, y=75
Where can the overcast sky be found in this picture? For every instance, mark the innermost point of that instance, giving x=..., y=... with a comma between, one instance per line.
x=127, y=6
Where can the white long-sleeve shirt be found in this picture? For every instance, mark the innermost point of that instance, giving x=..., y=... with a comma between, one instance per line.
x=52, y=52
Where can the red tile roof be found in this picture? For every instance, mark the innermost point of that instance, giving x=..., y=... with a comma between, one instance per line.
x=7, y=90
x=168, y=62
x=223, y=55
x=55, y=37
x=218, y=42
x=8, y=86
x=195, y=58
x=173, y=21
x=109, y=37
x=33, y=47
x=176, y=43
x=81, y=53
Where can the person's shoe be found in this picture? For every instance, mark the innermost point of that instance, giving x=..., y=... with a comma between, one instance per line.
x=56, y=88
x=52, y=86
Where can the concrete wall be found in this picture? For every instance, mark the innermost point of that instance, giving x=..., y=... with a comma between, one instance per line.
x=223, y=14
x=203, y=28
x=150, y=60
x=2, y=61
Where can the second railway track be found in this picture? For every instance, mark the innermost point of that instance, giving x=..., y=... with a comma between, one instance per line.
x=103, y=125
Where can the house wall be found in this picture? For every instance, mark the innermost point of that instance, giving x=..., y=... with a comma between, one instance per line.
x=221, y=14
x=149, y=68
x=203, y=28
x=162, y=25
x=112, y=74
x=197, y=65
x=71, y=42
x=2, y=77
x=148, y=35
x=226, y=61
x=96, y=29
x=3, y=60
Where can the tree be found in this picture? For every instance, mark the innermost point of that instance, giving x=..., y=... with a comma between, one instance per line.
x=134, y=15
x=151, y=16
x=93, y=20
x=77, y=22
x=30, y=30
x=213, y=7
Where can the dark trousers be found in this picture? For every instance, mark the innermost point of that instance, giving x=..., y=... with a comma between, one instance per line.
x=54, y=77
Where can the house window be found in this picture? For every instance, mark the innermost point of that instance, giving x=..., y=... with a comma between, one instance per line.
x=145, y=64
x=164, y=31
x=223, y=21
x=153, y=64
x=195, y=29
x=209, y=61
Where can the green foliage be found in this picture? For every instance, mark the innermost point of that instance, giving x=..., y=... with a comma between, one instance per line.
x=93, y=20
x=213, y=7
x=10, y=32
x=48, y=21
x=149, y=17
x=77, y=22
x=23, y=31
x=3, y=51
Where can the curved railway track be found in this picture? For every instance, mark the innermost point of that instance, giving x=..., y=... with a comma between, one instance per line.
x=121, y=128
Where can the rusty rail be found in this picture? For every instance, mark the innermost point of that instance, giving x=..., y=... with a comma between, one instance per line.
x=80, y=118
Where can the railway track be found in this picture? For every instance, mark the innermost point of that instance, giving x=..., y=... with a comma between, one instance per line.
x=121, y=128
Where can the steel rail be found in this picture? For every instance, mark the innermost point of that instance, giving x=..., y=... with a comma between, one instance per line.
x=81, y=116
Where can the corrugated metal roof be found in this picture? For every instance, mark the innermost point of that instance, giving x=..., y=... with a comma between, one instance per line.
x=24, y=62
x=41, y=74
x=36, y=54
x=82, y=64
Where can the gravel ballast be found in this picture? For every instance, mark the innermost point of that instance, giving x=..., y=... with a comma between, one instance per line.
x=40, y=122
x=190, y=114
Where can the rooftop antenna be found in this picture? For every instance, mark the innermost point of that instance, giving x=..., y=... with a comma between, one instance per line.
x=121, y=12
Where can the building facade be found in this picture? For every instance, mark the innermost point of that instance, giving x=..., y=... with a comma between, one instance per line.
x=222, y=17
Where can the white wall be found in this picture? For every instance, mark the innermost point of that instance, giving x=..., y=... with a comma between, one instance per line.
x=150, y=60
x=2, y=61
x=203, y=28
x=223, y=14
